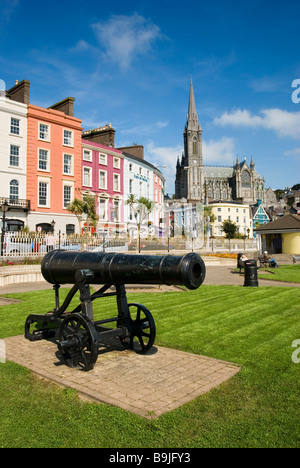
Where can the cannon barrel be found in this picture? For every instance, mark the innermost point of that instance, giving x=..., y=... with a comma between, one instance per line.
x=60, y=267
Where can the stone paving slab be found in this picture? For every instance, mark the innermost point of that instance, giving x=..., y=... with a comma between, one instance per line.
x=148, y=385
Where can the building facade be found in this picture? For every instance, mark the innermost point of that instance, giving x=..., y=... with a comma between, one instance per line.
x=281, y=235
x=259, y=216
x=239, y=214
x=13, y=161
x=240, y=182
x=142, y=179
x=102, y=177
x=54, y=176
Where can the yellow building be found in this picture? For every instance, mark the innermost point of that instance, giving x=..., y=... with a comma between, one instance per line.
x=281, y=235
x=237, y=213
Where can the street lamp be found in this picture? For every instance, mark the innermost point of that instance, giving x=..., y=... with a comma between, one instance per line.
x=4, y=209
x=53, y=226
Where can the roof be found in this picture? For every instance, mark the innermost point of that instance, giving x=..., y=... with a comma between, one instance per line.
x=284, y=223
x=217, y=171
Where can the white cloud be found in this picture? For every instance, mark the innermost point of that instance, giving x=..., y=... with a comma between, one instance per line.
x=219, y=152
x=126, y=37
x=295, y=153
x=164, y=156
x=7, y=9
x=214, y=152
x=284, y=123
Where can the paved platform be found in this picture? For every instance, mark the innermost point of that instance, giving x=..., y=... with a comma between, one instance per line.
x=148, y=385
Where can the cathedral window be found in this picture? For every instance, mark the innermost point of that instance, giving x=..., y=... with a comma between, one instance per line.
x=246, y=179
x=195, y=147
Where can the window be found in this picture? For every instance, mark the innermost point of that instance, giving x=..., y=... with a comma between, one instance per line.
x=87, y=176
x=68, y=159
x=102, y=179
x=116, y=182
x=13, y=190
x=130, y=185
x=195, y=147
x=87, y=155
x=67, y=195
x=130, y=167
x=68, y=138
x=70, y=229
x=14, y=157
x=102, y=209
x=117, y=164
x=219, y=219
x=43, y=193
x=44, y=133
x=43, y=160
x=103, y=159
x=14, y=126
x=114, y=213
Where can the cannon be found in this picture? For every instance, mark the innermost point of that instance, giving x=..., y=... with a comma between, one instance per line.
x=78, y=334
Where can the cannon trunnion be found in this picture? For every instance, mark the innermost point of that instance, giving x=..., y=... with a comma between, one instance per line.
x=78, y=334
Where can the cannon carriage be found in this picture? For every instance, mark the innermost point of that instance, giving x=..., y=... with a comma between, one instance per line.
x=78, y=334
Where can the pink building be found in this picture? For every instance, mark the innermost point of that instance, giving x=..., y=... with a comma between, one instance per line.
x=158, y=197
x=102, y=176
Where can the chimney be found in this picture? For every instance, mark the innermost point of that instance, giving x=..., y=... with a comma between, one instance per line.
x=102, y=135
x=20, y=92
x=66, y=106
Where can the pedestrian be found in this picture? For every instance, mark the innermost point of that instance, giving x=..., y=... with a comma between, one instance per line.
x=50, y=241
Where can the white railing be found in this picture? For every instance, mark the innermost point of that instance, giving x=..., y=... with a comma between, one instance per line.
x=28, y=245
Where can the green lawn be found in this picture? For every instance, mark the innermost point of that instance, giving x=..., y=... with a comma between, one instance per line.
x=287, y=273
x=259, y=407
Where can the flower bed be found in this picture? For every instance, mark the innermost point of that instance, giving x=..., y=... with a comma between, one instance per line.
x=223, y=255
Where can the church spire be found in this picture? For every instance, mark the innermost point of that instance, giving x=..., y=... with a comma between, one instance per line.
x=192, y=118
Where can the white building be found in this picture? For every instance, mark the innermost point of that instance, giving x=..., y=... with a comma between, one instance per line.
x=142, y=179
x=237, y=213
x=13, y=160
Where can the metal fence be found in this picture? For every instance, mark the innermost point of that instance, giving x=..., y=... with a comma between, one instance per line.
x=26, y=245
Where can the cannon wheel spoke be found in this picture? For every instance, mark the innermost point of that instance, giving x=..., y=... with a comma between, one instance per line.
x=78, y=342
x=142, y=329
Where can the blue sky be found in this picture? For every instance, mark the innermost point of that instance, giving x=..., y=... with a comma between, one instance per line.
x=130, y=63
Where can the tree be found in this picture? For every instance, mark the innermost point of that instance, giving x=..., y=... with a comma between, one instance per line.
x=230, y=228
x=85, y=206
x=141, y=208
x=209, y=217
x=77, y=208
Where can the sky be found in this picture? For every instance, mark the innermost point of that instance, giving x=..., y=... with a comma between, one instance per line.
x=130, y=64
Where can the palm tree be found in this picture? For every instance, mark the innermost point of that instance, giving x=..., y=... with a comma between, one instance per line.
x=77, y=208
x=85, y=206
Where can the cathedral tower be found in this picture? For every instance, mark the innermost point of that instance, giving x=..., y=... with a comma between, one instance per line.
x=189, y=175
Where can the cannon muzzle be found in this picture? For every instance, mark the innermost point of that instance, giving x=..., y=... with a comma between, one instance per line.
x=62, y=267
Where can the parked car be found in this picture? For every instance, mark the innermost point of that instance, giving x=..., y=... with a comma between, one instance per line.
x=113, y=245
x=13, y=244
x=69, y=246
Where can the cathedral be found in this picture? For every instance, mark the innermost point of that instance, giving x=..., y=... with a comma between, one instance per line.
x=196, y=182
